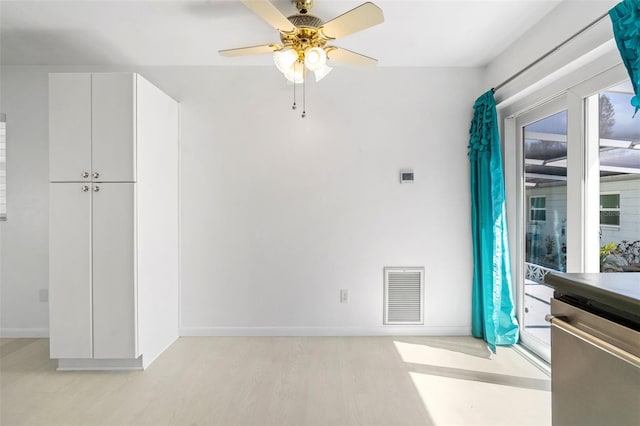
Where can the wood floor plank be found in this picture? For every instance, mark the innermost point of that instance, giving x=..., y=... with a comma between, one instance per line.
x=264, y=381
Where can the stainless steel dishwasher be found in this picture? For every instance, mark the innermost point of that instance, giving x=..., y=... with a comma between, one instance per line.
x=595, y=364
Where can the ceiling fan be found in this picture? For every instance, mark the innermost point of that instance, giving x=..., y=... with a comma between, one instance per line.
x=304, y=37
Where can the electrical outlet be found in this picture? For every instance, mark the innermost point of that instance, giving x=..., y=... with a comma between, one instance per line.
x=344, y=295
x=43, y=295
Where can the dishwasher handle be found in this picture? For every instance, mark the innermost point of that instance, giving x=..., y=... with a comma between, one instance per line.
x=560, y=322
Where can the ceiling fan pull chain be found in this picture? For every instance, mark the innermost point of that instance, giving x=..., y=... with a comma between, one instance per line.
x=304, y=92
x=294, y=106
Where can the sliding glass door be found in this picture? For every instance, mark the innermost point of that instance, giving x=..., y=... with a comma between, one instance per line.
x=542, y=144
x=573, y=191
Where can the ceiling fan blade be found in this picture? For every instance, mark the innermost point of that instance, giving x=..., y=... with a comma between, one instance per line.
x=270, y=14
x=251, y=50
x=362, y=17
x=348, y=57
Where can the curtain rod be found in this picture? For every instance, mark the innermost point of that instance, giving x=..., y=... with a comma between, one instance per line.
x=555, y=49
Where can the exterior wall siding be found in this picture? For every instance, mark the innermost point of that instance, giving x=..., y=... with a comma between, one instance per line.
x=539, y=248
x=629, y=229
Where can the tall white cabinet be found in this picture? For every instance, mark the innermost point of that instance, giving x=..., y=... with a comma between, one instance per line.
x=114, y=246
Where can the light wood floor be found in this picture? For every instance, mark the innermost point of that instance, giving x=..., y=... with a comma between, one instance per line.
x=282, y=381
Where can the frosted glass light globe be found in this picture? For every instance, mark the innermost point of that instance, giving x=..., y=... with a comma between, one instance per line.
x=322, y=72
x=315, y=58
x=294, y=75
x=284, y=59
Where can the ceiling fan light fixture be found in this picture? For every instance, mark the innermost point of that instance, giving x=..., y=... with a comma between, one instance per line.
x=315, y=58
x=294, y=75
x=322, y=72
x=303, y=38
x=284, y=59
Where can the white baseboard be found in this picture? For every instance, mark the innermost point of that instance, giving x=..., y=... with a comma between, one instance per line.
x=17, y=333
x=281, y=331
x=327, y=331
x=99, y=364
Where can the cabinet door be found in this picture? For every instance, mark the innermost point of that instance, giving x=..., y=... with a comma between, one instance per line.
x=70, y=270
x=113, y=134
x=69, y=127
x=114, y=272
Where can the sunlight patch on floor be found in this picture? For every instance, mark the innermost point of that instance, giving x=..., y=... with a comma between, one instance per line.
x=463, y=402
x=473, y=356
x=462, y=383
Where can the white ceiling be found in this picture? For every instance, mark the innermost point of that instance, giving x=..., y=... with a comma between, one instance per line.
x=189, y=33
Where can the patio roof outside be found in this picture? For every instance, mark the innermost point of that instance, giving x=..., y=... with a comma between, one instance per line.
x=546, y=142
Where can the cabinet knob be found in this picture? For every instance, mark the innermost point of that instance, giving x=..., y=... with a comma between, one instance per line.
x=85, y=188
x=96, y=188
x=85, y=174
x=96, y=175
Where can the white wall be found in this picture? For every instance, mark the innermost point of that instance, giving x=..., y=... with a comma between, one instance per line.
x=280, y=212
x=557, y=26
x=25, y=251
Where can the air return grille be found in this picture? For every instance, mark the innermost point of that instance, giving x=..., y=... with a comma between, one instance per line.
x=403, y=295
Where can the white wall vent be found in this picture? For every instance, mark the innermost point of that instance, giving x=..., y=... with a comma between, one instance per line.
x=403, y=295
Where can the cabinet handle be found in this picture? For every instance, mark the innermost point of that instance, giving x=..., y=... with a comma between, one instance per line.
x=561, y=323
x=85, y=188
x=85, y=174
x=96, y=175
x=96, y=188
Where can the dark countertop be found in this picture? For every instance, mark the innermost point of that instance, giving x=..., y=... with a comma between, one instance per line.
x=617, y=292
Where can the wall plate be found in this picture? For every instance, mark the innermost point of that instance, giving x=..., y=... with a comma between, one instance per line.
x=406, y=176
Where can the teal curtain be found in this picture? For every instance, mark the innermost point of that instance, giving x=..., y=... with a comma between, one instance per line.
x=492, y=311
x=625, y=17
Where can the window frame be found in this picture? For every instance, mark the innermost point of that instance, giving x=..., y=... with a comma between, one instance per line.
x=532, y=209
x=618, y=209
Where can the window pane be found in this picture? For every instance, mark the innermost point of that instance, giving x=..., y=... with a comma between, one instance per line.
x=619, y=179
x=538, y=202
x=610, y=201
x=610, y=218
x=545, y=166
x=538, y=215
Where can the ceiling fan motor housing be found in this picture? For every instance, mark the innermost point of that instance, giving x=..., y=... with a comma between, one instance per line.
x=306, y=34
x=305, y=21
